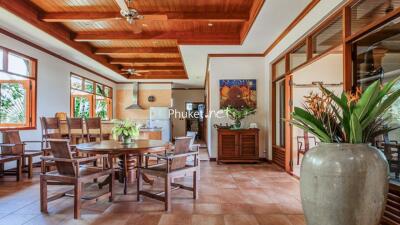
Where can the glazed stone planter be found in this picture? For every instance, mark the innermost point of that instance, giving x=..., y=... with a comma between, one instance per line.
x=344, y=184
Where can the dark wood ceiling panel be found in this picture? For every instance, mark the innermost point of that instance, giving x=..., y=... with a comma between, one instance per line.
x=152, y=42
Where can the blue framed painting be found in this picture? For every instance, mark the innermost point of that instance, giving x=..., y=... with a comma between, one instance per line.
x=238, y=93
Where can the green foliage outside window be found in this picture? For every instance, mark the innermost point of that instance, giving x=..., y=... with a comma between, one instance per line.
x=101, y=109
x=82, y=107
x=12, y=102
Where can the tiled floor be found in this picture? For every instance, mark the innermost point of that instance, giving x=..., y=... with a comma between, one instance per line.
x=230, y=194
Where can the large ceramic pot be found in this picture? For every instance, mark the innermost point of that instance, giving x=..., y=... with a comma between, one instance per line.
x=344, y=184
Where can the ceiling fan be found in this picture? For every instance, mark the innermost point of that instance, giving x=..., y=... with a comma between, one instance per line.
x=131, y=72
x=131, y=15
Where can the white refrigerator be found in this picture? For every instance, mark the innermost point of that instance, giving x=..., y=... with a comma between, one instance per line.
x=159, y=118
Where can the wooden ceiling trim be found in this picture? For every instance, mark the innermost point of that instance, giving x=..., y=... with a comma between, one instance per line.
x=145, y=60
x=30, y=13
x=181, y=37
x=156, y=77
x=254, y=11
x=155, y=68
x=148, y=16
x=293, y=24
x=106, y=51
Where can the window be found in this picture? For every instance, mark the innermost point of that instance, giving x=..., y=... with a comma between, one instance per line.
x=90, y=99
x=368, y=11
x=377, y=57
x=298, y=56
x=280, y=68
x=280, y=109
x=328, y=38
x=17, y=90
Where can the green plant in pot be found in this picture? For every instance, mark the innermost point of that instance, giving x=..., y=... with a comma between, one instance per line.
x=125, y=130
x=344, y=180
x=238, y=114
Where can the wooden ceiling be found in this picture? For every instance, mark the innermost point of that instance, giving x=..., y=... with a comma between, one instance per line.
x=149, y=46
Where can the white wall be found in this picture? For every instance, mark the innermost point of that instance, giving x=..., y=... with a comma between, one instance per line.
x=180, y=97
x=53, y=82
x=237, y=68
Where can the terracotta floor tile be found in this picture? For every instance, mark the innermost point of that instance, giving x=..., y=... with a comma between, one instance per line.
x=230, y=194
x=296, y=219
x=208, y=208
x=208, y=220
x=171, y=219
x=273, y=219
x=143, y=219
x=240, y=220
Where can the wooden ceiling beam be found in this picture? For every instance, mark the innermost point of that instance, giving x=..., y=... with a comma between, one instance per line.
x=158, y=77
x=145, y=60
x=148, y=16
x=155, y=68
x=106, y=51
x=181, y=37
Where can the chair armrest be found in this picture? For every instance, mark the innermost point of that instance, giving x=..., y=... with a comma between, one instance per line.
x=75, y=160
x=9, y=145
x=51, y=158
x=172, y=156
x=157, y=156
x=32, y=142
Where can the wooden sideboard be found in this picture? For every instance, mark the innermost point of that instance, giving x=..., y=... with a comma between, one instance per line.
x=238, y=145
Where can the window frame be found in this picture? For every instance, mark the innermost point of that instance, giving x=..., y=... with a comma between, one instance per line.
x=30, y=85
x=91, y=96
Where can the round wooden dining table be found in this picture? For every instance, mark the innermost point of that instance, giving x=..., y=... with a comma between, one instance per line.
x=127, y=153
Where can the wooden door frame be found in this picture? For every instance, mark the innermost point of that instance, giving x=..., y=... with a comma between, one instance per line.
x=204, y=121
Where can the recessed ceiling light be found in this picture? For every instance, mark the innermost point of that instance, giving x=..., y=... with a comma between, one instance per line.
x=210, y=24
x=145, y=25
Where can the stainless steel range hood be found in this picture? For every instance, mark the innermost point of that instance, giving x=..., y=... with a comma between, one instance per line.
x=135, y=97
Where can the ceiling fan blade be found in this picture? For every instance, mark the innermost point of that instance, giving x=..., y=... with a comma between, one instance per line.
x=122, y=4
x=138, y=74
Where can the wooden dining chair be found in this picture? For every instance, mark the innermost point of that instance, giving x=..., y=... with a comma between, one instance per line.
x=4, y=158
x=77, y=125
x=303, y=145
x=70, y=172
x=51, y=129
x=174, y=164
x=94, y=130
x=17, y=147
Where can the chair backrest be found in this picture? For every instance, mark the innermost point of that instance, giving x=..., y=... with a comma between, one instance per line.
x=51, y=127
x=182, y=146
x=60, y=149
x=75, y=124
x=192, y=135
x=93, y=124
x=12, y=137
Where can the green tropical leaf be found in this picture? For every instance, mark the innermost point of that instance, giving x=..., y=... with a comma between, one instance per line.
x=366, y=103
x=379, y=109
x=356, y=130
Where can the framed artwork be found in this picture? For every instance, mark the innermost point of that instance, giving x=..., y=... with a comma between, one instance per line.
x=238, y=93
